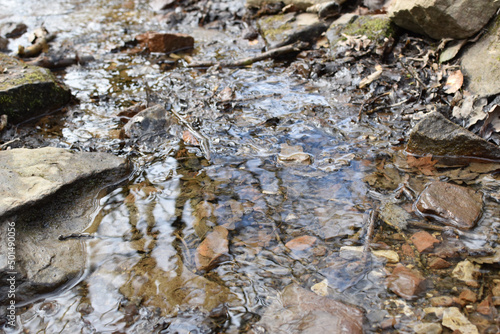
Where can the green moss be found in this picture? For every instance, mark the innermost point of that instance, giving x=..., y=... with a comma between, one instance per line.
x=274, y=26
x=373, y=28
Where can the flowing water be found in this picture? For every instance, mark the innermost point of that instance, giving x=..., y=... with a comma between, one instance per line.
x=285, y=158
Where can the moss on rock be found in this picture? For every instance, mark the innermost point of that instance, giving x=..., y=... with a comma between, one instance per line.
x=27, y=91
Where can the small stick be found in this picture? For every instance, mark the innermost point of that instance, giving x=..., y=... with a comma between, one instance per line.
x=273, y=53
x=9, y=142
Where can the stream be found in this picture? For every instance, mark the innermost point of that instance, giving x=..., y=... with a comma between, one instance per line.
x=286, y=156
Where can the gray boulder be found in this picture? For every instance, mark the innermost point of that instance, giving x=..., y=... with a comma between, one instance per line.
x=28, y=91
x=45, y=193
x=481, y=63
x=438, y=19
x=438, y=136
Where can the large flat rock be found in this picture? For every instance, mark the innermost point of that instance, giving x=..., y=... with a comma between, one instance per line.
x=28, y=91
x=438, y=136
x=457, y=19
x=45, y=193
x=30, y=175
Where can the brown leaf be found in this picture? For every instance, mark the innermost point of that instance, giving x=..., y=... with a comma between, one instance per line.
x=454, y=82
x=424, y=164
x=301, y=243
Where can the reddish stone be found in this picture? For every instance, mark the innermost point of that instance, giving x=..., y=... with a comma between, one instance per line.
x=454, y=205
x=301, y=243
x=423, y=241
x=407, y=250
x=213, y=249
x=162, y=42
x=486, y=307
x=438, y=263
x=406, y=283
x=468, y=296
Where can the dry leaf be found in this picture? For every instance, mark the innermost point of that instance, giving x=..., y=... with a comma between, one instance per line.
x=372, y=77
x=492, y=123
x=454, y=82
x=424, y=164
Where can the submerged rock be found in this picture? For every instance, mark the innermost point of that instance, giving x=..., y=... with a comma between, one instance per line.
x=147, y=283
x=443, y=18
x=301, y=311
x=152, y=121
x=46, y=193
x=28, y=91
x=438, y=136
x=481, y=63
x=284, y=29
x=456, y=321
x=406, y=283
x=213, y=249
x=453, y=205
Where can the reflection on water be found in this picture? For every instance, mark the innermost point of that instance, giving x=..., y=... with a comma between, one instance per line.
x=288, y=159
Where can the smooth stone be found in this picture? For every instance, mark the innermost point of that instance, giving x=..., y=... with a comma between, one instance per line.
x=453, y=205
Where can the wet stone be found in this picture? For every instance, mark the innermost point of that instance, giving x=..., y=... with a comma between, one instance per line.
x=453, y=205
x=442, y=301
x=164, y=42
x=301, y=243
x=487, y=308
x=455, y=320
x=427, y=328
x=468, y=272
x=423, y=241
x=406, y=283
x=28, y=91
x=438, y=136
x=438, y=263
x=213, y=249
x=301, y=311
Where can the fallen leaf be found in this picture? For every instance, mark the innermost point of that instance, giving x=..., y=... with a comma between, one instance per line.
x=301, y=243
x=454, y=82
x=491, y=123
x=424, y=164
x=452, y=50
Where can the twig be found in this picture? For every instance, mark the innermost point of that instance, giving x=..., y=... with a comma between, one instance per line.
x=370, y=231
x=371, y=100
x=185, y=245
x=75, y=236
x=9, y=142
x=371, y=111
x=273, y=53
x=204, y=143
x=414, y=75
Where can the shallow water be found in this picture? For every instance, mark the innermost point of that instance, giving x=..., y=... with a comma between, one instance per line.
x=141, y=273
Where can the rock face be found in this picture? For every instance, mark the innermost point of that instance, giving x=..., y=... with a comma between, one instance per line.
x=454, y=205
x=280, y=30
x=481, y=63
x=301, y=311
x=457, y=19
x=28, y=91
x=29, y=176
x=46, y=193
x=438, y=136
